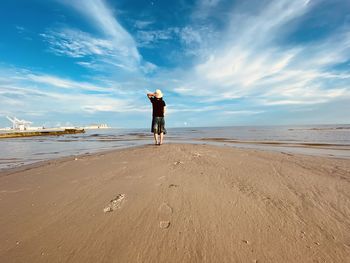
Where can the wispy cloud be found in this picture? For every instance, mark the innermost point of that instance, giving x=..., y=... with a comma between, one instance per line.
x=142, y=24
x=225, y=58
x=204, y=8
x=65, y=83
x=241, y=112
x=251, y=61
x=77, y=44
x=37, y=93
x=190, y=40
x=150, y=38
x=104, y=20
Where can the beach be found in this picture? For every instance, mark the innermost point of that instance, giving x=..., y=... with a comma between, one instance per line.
x=177, y=203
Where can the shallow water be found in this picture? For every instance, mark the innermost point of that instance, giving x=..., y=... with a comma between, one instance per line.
x=324, y=140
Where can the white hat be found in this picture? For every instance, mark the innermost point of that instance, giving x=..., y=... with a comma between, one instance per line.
x=158, y=93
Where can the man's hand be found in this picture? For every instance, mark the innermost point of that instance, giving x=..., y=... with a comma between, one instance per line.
x=150, y=95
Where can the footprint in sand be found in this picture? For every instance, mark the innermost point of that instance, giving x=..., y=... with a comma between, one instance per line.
x=196, y=155
x=115, y=203
x=164, y=209
x=164, y=224
x=165, y=212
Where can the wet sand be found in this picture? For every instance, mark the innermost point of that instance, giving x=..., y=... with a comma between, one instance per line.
x=177, y=203
x=326, y=146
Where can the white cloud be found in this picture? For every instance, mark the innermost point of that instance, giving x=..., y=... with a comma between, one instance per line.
x=89, y=65
x=246, y=60
x=23, y=92
x=171, y=109
x=250, y=63
x=65, y=83
x=148, y=67
x=103, y=19
x=149, y=38
x=189, y=35
x=303, y=95
x=20, y=29
x=24, y=97
x=142, y=24
x=204, y=8
x=241, y=112
x=77, y=44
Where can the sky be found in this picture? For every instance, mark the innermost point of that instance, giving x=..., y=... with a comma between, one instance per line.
x=217, y=62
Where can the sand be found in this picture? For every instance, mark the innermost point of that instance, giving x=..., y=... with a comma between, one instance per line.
x=177, y=203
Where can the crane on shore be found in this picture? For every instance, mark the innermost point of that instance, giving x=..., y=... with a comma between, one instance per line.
x=17, y=124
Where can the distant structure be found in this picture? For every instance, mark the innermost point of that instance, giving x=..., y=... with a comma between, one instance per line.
x=19, y=125
x=97, y=126
x=23, y=125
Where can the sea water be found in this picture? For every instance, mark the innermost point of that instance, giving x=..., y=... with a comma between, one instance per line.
x=323, y=140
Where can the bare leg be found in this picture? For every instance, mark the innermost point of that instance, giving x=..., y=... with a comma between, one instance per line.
x=155, y=138
x=161, y=138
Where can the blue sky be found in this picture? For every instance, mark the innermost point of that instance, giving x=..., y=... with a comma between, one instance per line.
x=218, y=62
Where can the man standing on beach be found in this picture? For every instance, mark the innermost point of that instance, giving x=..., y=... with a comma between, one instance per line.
x=158, y=122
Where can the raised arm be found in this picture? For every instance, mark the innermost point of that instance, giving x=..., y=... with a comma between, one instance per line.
x=150, y=95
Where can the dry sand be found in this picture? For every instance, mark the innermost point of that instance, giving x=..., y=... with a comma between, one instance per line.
x=178, y=203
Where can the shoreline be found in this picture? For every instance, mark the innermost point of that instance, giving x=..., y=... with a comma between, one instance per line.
x=222, y=143
x=332, y=143
x=281, y=143
x=58, y=160
x=36, y=133
x=177, y=203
